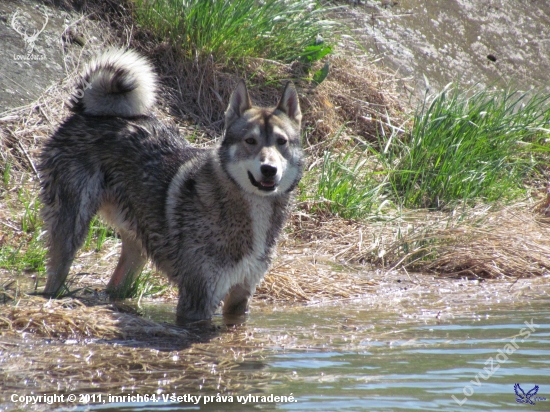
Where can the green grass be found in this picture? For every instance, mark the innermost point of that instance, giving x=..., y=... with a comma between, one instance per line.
x=467, y=146
x=6, y=175
x=98, y=234
x=28, y=254
x=30, y=220
x=25, y=251
x=345, y=185
x=147, y=285
x=236, y=29
x=462, y=148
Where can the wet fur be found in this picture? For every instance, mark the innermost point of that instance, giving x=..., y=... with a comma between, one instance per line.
x=191, y=211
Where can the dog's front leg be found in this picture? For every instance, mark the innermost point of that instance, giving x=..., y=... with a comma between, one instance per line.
x=196, y=301
x=236, y=301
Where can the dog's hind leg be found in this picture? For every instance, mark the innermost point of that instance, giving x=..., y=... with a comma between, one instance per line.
x=61, y=255
x=131, y=262
x=67, y=225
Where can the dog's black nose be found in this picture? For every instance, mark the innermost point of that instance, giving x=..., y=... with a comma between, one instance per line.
x=268, y=171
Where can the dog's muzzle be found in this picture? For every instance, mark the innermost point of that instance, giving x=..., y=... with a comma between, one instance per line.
x=268, y=182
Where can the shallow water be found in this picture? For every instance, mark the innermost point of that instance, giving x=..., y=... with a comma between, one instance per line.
x=348, y=357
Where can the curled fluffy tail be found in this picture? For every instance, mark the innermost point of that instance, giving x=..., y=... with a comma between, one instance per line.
x=117, y=83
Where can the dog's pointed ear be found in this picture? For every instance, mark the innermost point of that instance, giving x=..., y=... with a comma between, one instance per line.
x=238, y=103
x=289, y=103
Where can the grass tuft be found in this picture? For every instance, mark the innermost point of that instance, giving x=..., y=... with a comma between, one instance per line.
x=467, y=146
x=25, y=254
x=23, y=250
x=30, y=221
x=236, y=29
x=98, y=232
x=345, y=185
x=148, y=284
x=6, y=174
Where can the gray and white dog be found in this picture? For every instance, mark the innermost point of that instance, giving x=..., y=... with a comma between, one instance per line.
x=208, y=218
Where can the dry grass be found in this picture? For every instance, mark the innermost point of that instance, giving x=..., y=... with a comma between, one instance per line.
x=510, y=242
x=149, y=358
x=486, y=241
x=351, y=95
x=358, y=94
x=298, y=277
x=70, y=318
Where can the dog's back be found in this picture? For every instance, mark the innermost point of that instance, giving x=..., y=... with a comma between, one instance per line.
x=204, y=222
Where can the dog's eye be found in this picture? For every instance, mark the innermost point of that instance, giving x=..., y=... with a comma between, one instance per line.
x=250, y=140
x=281, y=141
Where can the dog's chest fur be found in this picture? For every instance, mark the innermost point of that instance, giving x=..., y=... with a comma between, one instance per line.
x=221, y=231
x=253, y=264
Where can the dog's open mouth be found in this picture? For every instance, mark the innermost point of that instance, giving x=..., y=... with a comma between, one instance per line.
x=267, y=185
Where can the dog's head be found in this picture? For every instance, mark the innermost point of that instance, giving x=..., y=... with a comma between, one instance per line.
x=261, y=148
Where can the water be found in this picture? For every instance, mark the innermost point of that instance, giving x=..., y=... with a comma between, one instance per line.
x=347, y=357
x=391, y=363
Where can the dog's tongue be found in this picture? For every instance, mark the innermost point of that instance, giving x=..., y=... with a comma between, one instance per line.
x=267, y=184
